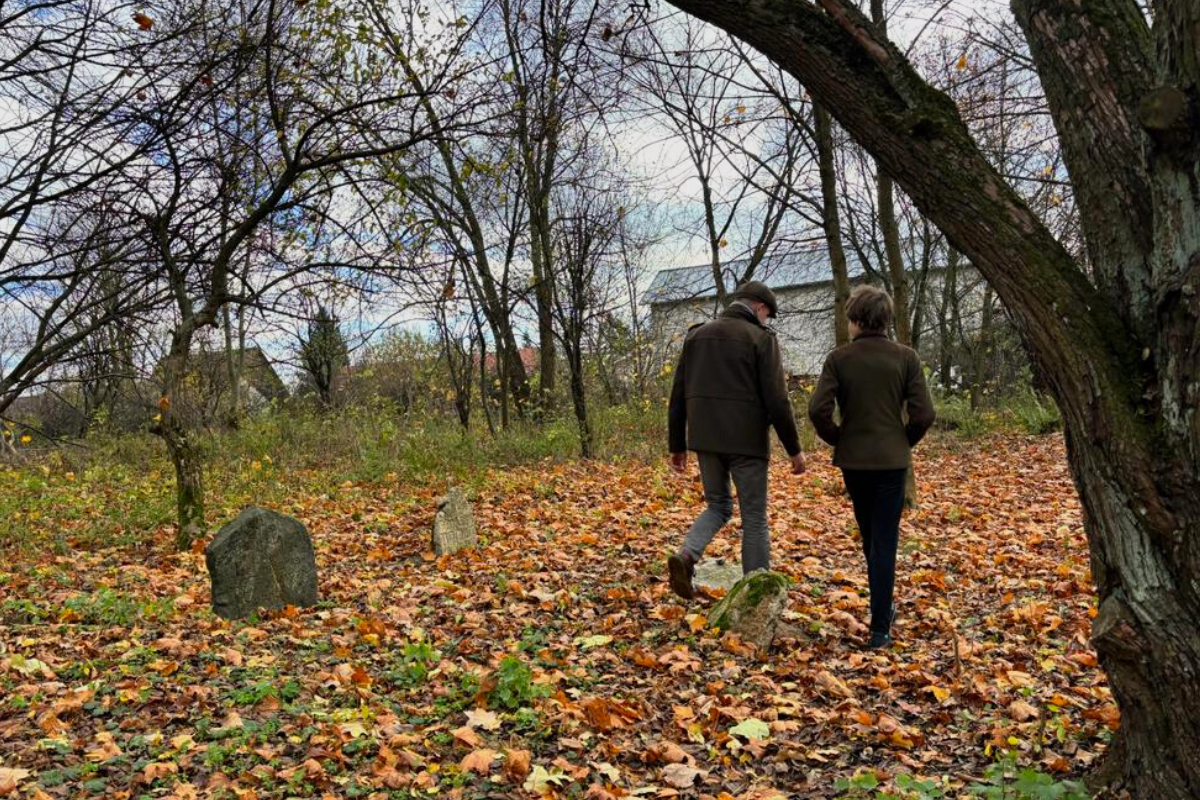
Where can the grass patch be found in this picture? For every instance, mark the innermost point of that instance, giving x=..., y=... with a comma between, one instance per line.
x=1023, y=411
x=118, y=490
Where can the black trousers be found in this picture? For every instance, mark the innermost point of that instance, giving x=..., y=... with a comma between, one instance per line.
x=878, y=498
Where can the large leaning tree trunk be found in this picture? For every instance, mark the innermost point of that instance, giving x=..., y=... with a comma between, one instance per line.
x=1120, y=350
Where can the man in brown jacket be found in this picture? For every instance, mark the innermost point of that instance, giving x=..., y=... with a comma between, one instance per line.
x=729, y=390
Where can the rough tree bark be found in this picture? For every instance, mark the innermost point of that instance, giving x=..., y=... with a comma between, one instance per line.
x=948, y=320
x=579, y=402
x=1122, y=354
x=180, y=439
x=982, y=350
x=7, y=448
x=823, y=126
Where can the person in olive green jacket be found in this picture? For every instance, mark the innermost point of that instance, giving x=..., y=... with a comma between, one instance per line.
x=872, y=380
x=729, y=390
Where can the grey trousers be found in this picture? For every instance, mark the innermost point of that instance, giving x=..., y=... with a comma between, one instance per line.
x=750, y=477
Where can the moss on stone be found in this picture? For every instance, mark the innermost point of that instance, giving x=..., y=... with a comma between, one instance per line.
x=747, y=593
x=759, y=586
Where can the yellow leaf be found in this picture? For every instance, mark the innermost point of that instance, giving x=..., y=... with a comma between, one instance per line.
x=351, y=730
x=938, y=692
x=541, y=781
x=962, y=63
x=588, y=642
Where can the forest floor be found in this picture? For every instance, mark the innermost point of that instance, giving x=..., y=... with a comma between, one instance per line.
x=553, y=660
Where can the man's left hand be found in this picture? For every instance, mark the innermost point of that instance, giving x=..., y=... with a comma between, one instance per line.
x=679, y=462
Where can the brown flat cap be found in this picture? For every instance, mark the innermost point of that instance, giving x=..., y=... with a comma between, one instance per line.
x=757, y=290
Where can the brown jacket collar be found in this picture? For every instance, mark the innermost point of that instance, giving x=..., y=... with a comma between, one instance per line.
x=739, y=311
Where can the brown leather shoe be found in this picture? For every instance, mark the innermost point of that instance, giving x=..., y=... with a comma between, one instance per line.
x=680, y=568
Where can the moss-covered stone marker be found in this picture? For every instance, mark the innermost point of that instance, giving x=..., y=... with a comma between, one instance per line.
x=753, y=607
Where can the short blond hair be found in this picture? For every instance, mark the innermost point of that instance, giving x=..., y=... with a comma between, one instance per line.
x=870, y=308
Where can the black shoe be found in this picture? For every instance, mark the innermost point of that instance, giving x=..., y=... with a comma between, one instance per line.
x=891, y=620
x=680, y=569
x=879, y=641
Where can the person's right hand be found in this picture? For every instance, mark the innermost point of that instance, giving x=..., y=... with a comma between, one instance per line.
x=679, y=462
x=798, y=464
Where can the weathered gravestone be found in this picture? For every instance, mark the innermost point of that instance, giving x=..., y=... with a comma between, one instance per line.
x=454, y=525
x=262, y=559
x=713, y=574
x=753, y=607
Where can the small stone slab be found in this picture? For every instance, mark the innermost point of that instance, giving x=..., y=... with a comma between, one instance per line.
x=753, y=607
x=717, y=573
x=454, y=525
x=262, y=559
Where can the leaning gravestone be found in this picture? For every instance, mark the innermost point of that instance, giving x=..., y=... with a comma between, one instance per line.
x=262, y=559
x=454, y=525
x=753, y=607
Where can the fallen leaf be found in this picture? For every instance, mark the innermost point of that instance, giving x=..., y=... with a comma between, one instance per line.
x=479, y=761
x=1022, y=711
x=681, y=776
x=752, y=729
x=467, y=736
x=598, y=716
x=541, y=781
x=588, y=642
x=106, y=750
x=158, y=769
x=516, y=764
x=482, y=718
x=10, y=778
x=831, y=683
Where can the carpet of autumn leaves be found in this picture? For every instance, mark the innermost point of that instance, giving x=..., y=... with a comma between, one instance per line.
x=553, y=660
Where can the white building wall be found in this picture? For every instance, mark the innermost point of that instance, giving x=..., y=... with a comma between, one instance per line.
x=805, y=322
x=804, y=325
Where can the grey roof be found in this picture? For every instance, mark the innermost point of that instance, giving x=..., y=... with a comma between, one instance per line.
x=799, y=267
